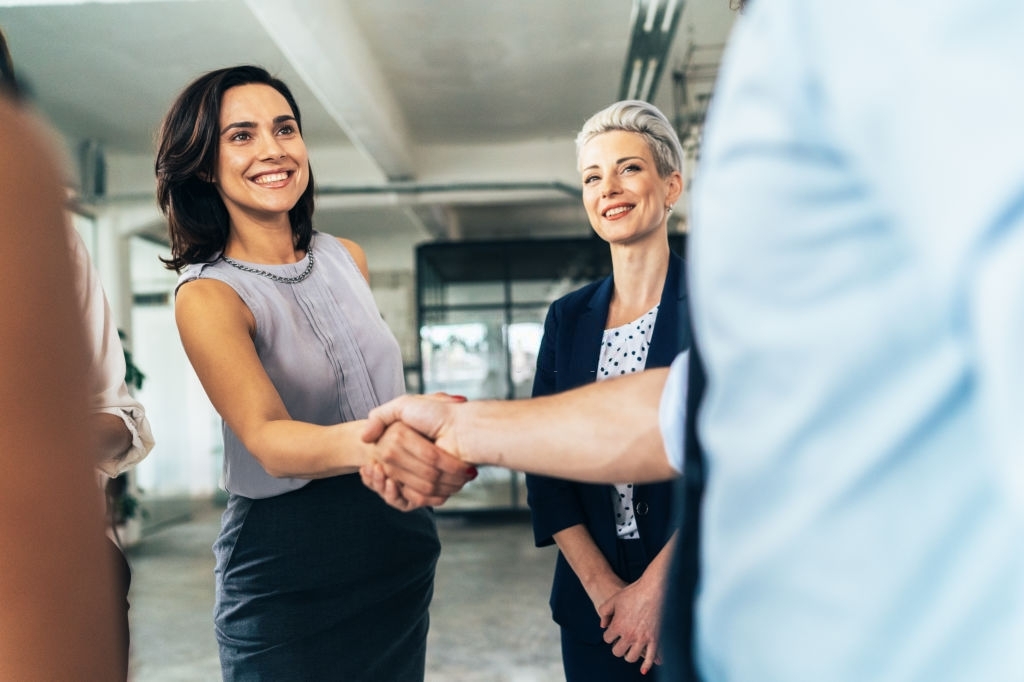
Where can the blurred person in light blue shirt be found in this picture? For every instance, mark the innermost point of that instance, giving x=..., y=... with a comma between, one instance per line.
x=858, y=286
x=857, y=283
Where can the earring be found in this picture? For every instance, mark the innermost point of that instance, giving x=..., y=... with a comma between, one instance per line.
x=669, y=209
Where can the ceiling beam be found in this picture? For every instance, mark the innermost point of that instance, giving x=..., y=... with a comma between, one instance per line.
x=322, y=42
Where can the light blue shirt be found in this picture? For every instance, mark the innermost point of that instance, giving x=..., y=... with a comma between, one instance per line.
x=857, y=277
x=672, y=410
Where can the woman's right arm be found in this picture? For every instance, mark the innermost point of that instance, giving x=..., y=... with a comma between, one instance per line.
x=216, y=330
x=589, y=564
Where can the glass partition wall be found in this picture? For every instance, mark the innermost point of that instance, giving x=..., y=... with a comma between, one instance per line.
x=480, y=310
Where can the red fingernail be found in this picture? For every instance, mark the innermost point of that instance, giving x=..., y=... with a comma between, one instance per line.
x=472, y=473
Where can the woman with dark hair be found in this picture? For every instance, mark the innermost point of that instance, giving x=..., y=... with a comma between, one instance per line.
x=316, y=578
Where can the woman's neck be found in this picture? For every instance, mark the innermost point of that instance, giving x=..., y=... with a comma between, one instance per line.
x=262, y=243
x=639, y=279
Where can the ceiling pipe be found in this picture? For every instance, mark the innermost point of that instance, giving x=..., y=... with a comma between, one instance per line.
x=654, y=27
x=432, y=188
x=529, y=190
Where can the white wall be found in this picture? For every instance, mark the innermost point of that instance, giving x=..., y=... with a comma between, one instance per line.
x=187, y=457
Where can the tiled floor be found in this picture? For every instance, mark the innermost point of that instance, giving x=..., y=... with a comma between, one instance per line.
x=489, y=619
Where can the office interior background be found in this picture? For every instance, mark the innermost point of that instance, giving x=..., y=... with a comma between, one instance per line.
x=441, y=136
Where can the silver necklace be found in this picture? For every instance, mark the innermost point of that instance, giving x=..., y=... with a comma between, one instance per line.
x=269, y=275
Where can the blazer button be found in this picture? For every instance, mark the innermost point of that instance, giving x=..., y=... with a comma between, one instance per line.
x=641, y=509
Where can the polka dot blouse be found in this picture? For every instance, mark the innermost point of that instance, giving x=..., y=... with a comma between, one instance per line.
x=624, y=351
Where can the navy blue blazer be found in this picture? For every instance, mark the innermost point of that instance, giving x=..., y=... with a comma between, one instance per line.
x=568, y=357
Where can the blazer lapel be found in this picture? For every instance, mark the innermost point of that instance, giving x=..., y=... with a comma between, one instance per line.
x=672, y=328
x=588, y=332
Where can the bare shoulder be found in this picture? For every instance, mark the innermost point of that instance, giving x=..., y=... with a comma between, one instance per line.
x=212, y=291
x=358, y=255
x=208, y=304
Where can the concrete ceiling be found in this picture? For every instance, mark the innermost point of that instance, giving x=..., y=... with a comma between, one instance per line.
x=425, y=119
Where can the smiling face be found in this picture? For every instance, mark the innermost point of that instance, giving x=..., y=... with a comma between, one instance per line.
x=625, y=198
x=262, y=167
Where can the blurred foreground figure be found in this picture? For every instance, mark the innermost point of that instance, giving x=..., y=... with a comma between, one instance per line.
x=857, y=287
x=57, y=620
x=121, y=435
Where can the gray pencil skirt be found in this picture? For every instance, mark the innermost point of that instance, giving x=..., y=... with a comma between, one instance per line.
x=323, y=583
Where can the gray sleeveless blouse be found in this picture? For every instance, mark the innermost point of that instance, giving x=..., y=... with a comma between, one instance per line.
x=322, y=342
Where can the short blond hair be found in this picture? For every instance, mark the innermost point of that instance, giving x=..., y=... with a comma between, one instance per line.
x=644, y=119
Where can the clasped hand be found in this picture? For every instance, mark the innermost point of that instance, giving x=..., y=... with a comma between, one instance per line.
x=420, y=468
x=630, y=619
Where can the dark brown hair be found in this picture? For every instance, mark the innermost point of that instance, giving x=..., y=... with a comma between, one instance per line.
x=197, y=220
x=8, y=82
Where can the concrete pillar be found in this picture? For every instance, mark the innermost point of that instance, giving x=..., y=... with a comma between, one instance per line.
x=115, y=226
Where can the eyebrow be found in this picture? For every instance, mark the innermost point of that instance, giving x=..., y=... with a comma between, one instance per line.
x=251, y=124
x=618, y=161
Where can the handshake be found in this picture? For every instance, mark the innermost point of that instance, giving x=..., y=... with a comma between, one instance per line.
x=420, y=466
x=429, y=446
